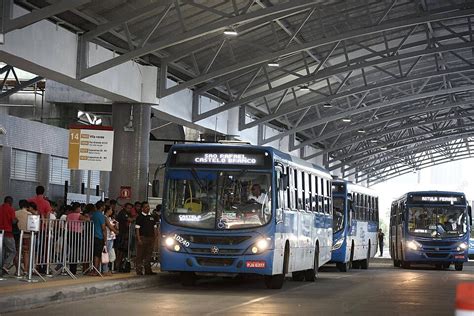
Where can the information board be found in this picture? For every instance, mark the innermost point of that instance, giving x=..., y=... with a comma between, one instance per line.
x=91, y=148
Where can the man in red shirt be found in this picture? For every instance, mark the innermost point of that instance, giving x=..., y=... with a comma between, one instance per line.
x=7, y=218
x=44, y=208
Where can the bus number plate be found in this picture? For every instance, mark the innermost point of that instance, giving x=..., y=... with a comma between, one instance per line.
x=255, y=264
x=458, y=257
x=181, y=240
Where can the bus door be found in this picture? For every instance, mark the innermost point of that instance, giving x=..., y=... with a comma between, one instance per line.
x=282, y=204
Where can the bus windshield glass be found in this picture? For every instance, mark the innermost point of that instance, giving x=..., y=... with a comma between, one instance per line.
x=338, y=221
x=222, y=200
x=442, y=221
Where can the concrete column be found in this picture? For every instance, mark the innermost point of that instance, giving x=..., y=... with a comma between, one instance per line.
x=6, y=158
x=233, y=123
x=104, y=182
x=131, y=149
x=43, y=168
x=76, y=180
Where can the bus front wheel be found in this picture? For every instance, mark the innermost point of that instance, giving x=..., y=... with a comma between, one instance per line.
x=312, y=274
x=297, y=276
x=458, y=266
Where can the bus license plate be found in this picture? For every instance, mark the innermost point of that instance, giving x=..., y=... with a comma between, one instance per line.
x=255, y=264
x=458, y=257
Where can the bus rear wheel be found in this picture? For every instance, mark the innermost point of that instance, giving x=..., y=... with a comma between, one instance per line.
x=364, y=264
x=297, y=276
x=343, y=266
x=188, y=278
x=312, y=274
x=458, y=266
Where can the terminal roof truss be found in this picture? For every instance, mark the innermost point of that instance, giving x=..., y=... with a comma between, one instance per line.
x=378, y=87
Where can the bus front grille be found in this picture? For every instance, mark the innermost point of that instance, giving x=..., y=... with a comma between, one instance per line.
x=214, y=261
x=437, y=255
x=437, y=243
x=216, y=240
x=207, y=251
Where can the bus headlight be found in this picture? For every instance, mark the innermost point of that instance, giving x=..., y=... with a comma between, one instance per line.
x=169, y=242
x=260, y=246
x=413, y=245
x=462, y=246
x=338, y=244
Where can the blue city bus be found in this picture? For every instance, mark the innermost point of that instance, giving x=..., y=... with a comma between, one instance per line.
x=355, y=225
x=430, y=227
x=215, y=222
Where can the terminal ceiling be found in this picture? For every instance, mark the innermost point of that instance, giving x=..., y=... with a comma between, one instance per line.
x=378, y=87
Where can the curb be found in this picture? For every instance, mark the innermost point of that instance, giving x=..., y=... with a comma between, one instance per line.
x=43, y=297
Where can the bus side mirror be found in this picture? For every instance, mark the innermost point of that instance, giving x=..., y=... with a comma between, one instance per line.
x=469, y=211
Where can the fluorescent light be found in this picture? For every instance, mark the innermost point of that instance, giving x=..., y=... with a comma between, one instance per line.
x=273, y=64
x=231, y=32
x=361, y=131
x=383, y=148
x=304, y=88
x=327, y=105
x=346, y=120
x=373, y=141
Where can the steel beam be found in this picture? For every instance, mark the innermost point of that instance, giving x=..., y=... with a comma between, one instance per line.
x=175, y=39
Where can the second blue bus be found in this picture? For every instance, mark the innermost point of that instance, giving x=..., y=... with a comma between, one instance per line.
x=355, y=226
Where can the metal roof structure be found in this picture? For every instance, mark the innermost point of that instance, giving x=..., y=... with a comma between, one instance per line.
x=378, y=87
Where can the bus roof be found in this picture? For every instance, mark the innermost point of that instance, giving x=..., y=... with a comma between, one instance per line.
x=356, y=187
x=274, y=152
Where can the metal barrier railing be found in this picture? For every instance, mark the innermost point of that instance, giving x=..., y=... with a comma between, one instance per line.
x=56, y=248
x=1, y=254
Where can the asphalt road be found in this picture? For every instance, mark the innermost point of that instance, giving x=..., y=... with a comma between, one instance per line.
x=381, y=290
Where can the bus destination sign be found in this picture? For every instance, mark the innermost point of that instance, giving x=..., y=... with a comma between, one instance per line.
x=220, y=158
x=437, y=199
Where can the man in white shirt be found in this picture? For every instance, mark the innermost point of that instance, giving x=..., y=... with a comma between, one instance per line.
x=257, y=195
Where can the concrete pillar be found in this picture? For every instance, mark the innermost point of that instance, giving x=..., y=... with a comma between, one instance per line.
x=43, y=174
x=233, y=123
x=131, y=149
x=5, y=169
x=104, y=182
x=76, y=180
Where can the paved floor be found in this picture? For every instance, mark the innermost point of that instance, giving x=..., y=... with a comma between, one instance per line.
x=381, y=290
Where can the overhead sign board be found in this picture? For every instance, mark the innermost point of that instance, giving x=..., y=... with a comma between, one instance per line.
x=91, y=148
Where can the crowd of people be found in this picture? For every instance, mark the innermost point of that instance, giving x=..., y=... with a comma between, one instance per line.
x=112, y=224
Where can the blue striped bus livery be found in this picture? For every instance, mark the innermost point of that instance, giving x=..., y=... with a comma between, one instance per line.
x=356, y=221
x=430, y=227
x=242, y=209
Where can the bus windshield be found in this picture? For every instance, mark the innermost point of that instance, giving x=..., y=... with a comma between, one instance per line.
x=210, y=199
x=442, y=221
x=338, y=220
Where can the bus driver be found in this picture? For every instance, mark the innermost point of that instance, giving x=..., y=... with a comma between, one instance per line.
x=257, y=195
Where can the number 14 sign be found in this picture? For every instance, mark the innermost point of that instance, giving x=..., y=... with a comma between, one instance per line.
x=91, y=148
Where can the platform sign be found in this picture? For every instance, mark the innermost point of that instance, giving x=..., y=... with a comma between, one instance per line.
x=91, y=148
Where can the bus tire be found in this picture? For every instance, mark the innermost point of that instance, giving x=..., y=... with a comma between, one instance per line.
x=352, y=263
x=297, y=276
x=396, y=263
x=406, y=264
x=364, y=264
x=343, y=266
x=312, y=274
x=458, y=266
x=187, y=278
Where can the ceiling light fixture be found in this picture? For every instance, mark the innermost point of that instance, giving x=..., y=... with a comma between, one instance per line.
x=361, y=131
x=373, y=141
x=304, y=88
x=273, y=64
x=346, y=120
x=383, y=148
x=327, y=105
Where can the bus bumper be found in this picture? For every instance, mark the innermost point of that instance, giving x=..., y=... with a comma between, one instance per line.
x=420, y=256
x=242, y=264
x=339, y=255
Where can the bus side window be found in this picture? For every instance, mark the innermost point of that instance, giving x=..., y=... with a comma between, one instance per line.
x=288, y=189
x=309, y=192
x=314, y=194
x=299, y=185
